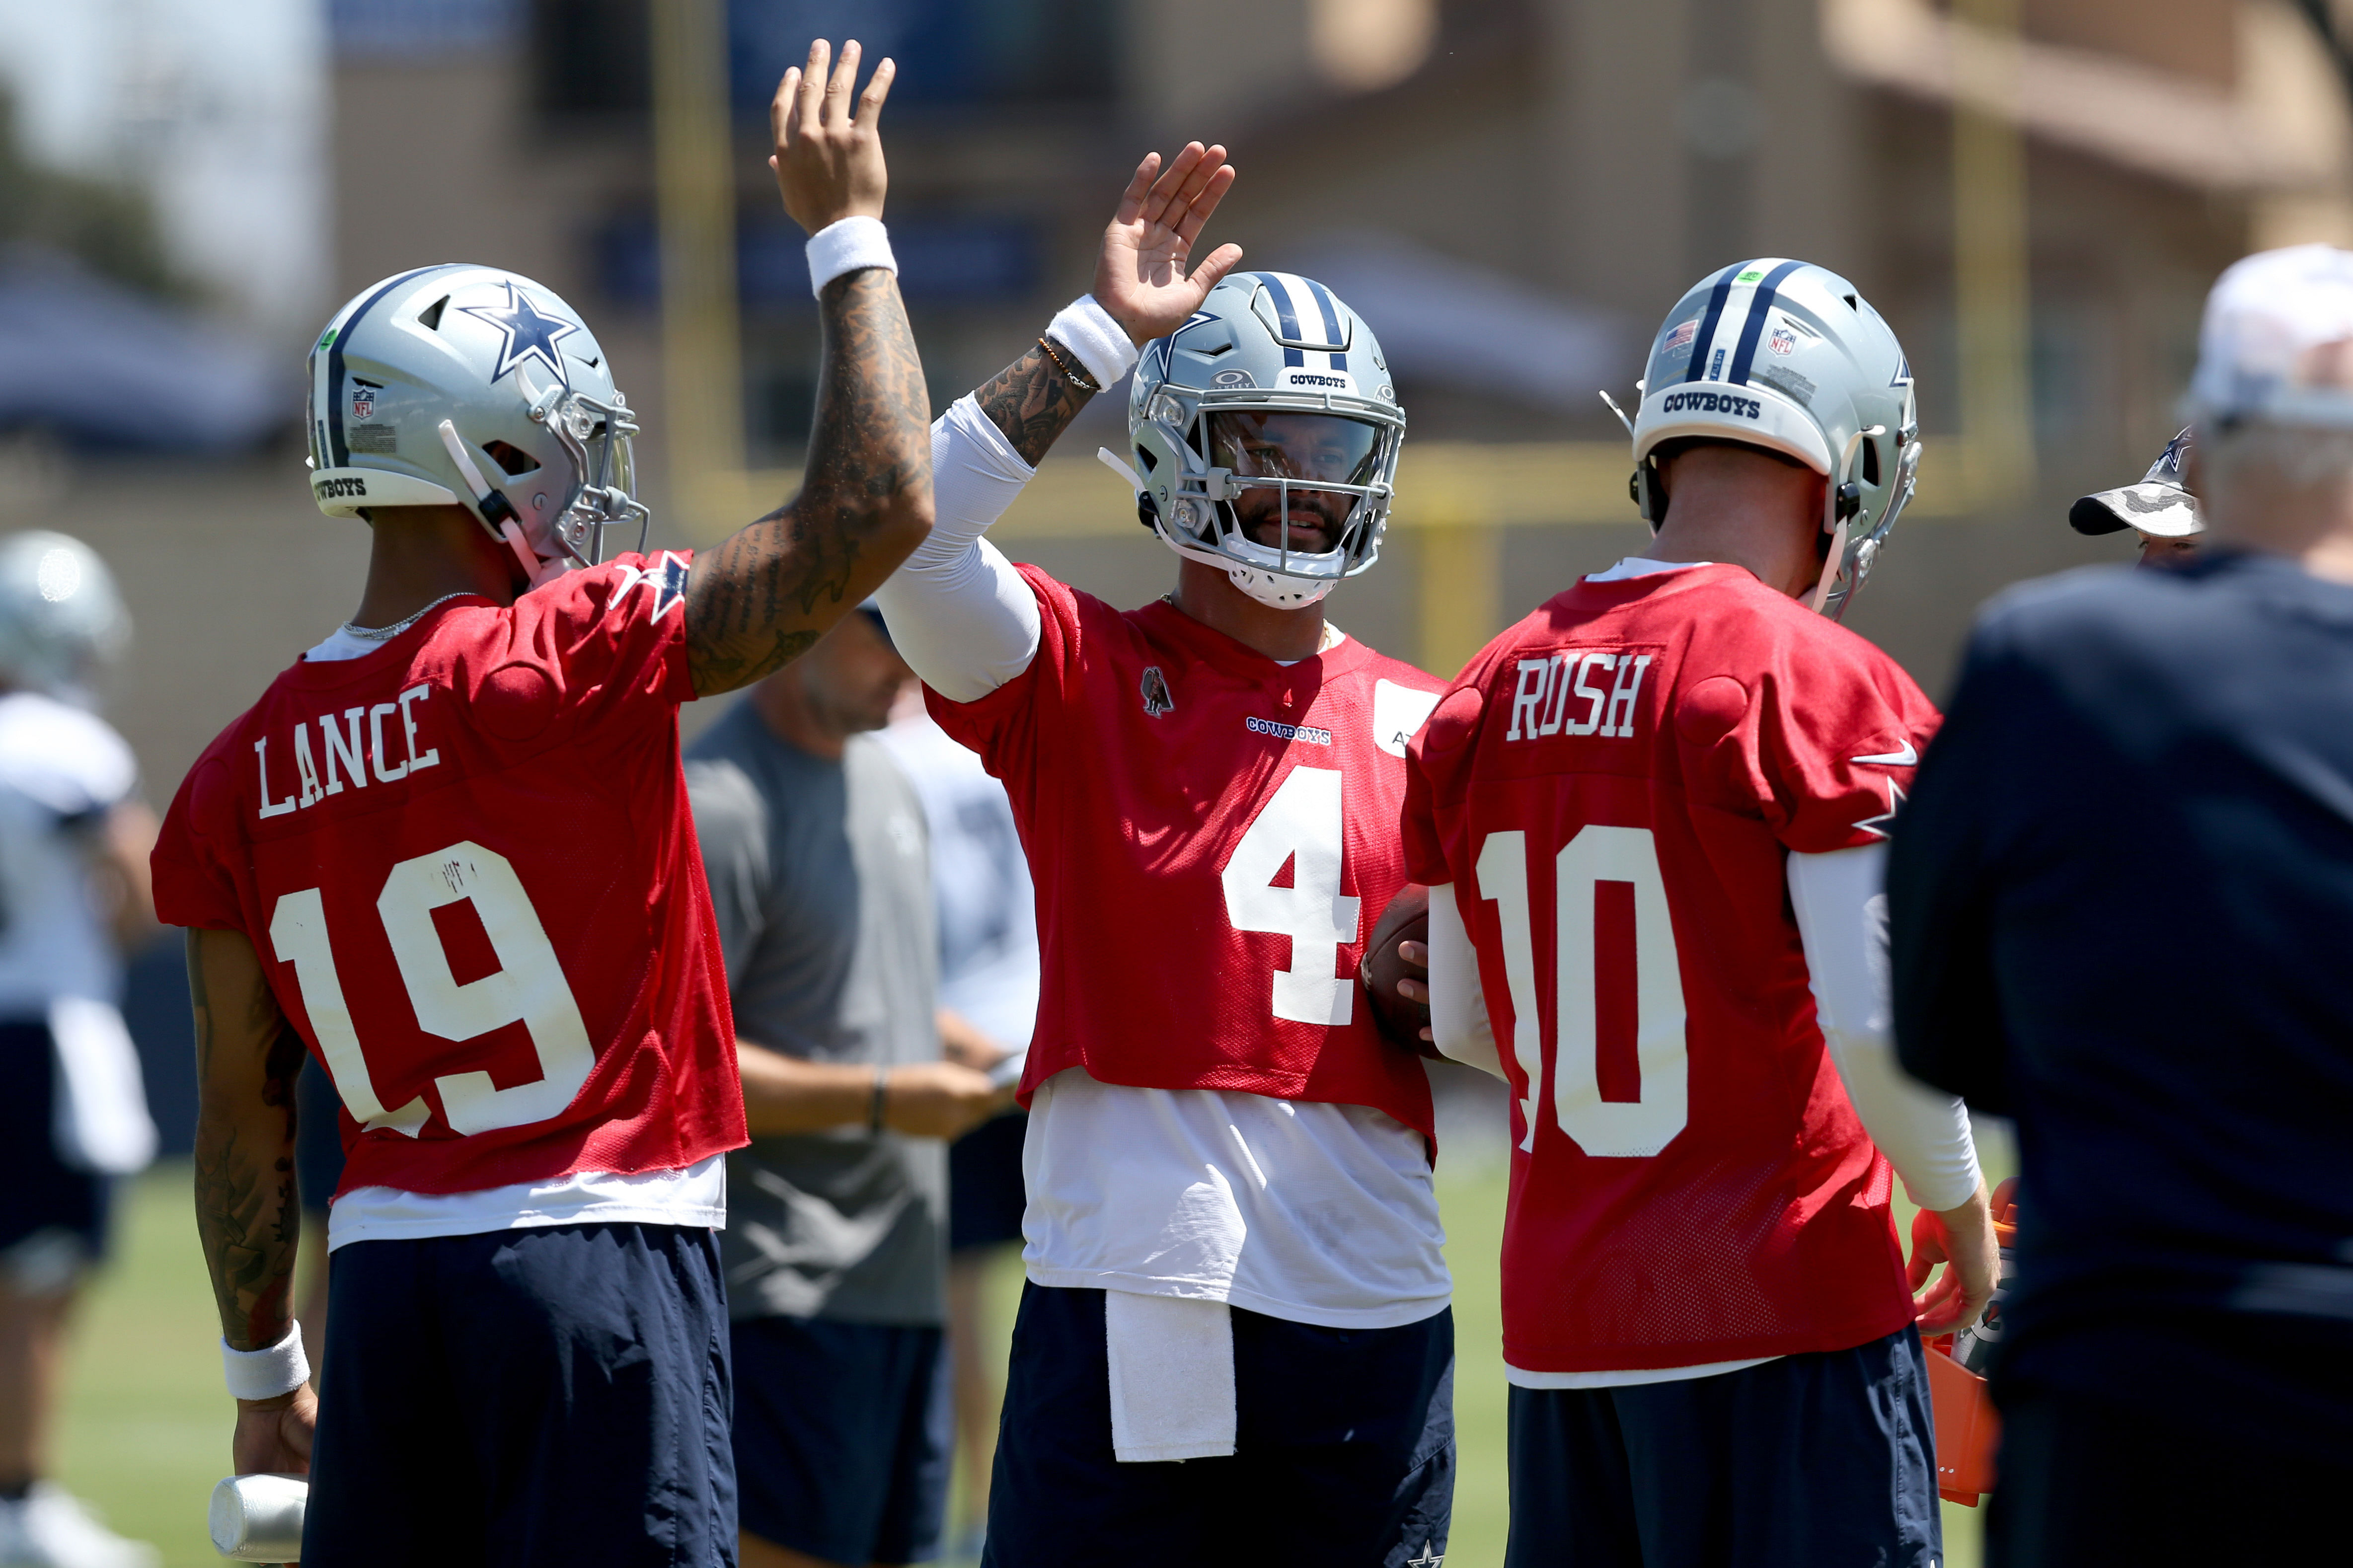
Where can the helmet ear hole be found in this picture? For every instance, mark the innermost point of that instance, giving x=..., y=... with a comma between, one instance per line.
x=512, y=460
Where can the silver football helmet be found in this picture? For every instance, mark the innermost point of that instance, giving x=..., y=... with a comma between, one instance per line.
x=1787, y=356
x=476, y=387
x=1271, y=408
x=60, y=616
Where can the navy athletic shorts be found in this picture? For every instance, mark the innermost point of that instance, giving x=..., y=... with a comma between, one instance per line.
x=985, y=1194
x=42, y=1193
x=1344, y=1451
x=541, y=1398
x=842, y=1437
x=1808, y=1461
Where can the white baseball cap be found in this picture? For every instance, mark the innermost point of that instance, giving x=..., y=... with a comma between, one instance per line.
x=2277, y=342
x=2160, y=504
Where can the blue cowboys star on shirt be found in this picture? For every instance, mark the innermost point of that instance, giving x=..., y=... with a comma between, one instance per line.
x=666, y=577
x=1877, y=826
x=531, y=333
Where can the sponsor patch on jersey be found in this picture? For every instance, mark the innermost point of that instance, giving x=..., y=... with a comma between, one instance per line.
x=1155, y=687
x=1282, y=731
x=1398, y=714
x=1782, y=341
x=1321, y=381
x=1712, y=402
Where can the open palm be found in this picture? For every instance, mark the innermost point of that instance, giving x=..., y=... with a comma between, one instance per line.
x=1140, y=278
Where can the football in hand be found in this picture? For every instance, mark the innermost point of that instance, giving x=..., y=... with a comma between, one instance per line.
x=1406, y=920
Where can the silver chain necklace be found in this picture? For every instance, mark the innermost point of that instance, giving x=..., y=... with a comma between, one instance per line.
x=385, y=634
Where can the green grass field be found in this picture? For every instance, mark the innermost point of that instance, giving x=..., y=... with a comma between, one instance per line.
x=146, y=1422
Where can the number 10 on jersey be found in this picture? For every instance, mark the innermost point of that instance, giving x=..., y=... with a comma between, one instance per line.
x=1593, y=860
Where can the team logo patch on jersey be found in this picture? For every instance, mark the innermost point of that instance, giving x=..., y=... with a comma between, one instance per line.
x=1282, y=731
x=1155, y=687
x=666, y=577
x=1877, y=826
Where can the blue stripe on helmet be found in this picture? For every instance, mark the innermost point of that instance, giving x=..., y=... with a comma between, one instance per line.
x=338, y=454
x=1332, y=334
x=1760, y=304
x=1715, y=300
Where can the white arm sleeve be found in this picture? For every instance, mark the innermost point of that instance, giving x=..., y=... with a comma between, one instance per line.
x=1842, y=919
x=959, y=613
x=1458, y=1007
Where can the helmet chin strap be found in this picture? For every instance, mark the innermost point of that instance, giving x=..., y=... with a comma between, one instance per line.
x=1818, y=601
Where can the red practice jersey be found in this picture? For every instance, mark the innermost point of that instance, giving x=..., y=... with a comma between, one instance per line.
x=467, y=864
x=1212, y=835
x=1613, y=787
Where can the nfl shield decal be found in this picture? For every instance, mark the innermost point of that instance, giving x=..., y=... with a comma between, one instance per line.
x=363, y=400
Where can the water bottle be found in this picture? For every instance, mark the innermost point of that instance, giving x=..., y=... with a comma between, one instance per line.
x=1974, y=1347
x=258, y=1519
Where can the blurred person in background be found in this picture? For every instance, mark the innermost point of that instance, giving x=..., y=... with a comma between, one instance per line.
x=988, y=1003
x=1237, y=1336
x=74, y=895
x=836, y=1249
x=2120, y=898
x=2159, y=509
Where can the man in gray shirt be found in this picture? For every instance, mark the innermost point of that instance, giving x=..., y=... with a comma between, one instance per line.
x=836, y=1246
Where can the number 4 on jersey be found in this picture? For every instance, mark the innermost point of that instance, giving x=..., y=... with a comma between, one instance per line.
x=1603, y=1128
x=1301, y=824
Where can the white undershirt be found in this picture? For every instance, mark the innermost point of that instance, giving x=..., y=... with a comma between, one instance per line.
x=696, y=1196
x=1310, y=1212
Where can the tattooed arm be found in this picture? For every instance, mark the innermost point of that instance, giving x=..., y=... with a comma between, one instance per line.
x=766, y=595
x=247, y=1212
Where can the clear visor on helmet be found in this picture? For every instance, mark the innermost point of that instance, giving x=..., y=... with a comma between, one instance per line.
x=1294, y=481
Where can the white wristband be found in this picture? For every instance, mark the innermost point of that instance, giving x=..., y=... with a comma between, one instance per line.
x=846, y=246
x=1100, y=343
x=266, y=1375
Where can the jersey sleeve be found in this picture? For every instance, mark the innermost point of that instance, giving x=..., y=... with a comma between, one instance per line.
x=1437, y=780
x=1007, y=726
x=194, y=852
x=603, y=644
x=1820, y=741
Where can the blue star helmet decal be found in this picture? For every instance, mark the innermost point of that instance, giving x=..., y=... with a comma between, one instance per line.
x=531, y=333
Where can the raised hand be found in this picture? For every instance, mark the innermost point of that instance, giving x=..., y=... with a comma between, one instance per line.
x=1140, y=277
x=829, y=164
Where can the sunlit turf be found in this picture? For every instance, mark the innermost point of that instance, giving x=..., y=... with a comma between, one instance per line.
x=146, y=1423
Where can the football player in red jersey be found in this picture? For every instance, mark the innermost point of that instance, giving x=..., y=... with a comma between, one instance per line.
x=448, y=853
x=1232, y=1244
x=1653, y=817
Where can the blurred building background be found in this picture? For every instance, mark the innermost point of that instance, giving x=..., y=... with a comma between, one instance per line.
x=2036, y=194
